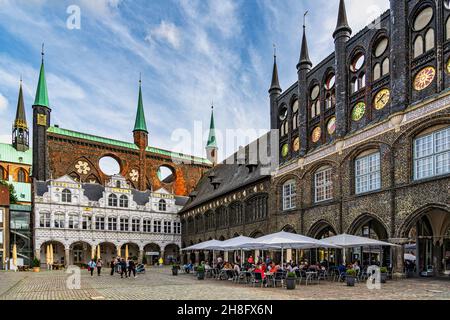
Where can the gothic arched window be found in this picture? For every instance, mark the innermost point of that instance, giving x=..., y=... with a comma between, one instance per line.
x=2, y=173
x=21, y=176
x=423, y=32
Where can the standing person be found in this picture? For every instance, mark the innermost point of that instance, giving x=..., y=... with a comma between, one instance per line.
x=131, y=268
x=99, y=267
x=113, y=266
x=123, y=268
x=92, y=266
x=161, y=261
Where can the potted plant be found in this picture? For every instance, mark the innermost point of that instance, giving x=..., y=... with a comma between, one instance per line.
x=383, y=274
x=290, y=280
x=36, y=264
x=175, y=268
x=350, y=277
x=201, y=272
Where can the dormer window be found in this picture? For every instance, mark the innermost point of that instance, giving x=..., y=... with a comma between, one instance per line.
x=66, y=196
x=118, y=184
x=112, y=200
x=162, y=205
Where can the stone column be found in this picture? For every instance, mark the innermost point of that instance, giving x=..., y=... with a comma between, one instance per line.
x=162, y=256
x=67, y=257
x=398, y=255
x=37, y=253
x=141, y=256
x=197, y=257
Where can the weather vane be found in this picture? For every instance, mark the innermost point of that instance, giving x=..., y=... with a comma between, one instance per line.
x=304, y=18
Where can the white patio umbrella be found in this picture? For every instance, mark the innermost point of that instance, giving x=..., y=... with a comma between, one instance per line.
x=207, y=245
x=410, y=257
x=234, y=243
x=350, y=241
x=284, y=240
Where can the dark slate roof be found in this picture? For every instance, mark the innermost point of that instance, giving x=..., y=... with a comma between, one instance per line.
x=231, y=177
x=93, y=192
x=41, y=187
x=141, y=198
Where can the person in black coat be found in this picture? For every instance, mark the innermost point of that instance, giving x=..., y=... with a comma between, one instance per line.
x=131, y=268
x=123, y=268
x=113, y=266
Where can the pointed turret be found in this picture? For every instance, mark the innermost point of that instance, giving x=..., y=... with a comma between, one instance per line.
x=140, y=124
x=211, y=146
x=304, y=53
x=140, y=135
x=342, y=23
x=20, y=127
x=41, y=122
x=275, y=80
x=41, y=98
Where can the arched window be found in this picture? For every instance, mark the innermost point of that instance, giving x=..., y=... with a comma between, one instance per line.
x=112, y=200
x=418, y=47
x=162, y=205
x=256, y=208
x=423, y=31
x=429, y=40
x=295, y=108
x=190, y=225
x=74, y=221
x=222, y=218
x=289, y=195
x=21, y=176
x=315, y=101
x=432, y=154
x=236, y=214
x=123, y=201
x=367, y=172
x=330, y=95
x=377, y=72
x=386, y=66
x=60, y=220
x=323, y=184
x=2, y=173
x=447, y=27
x=357, y=68
x=66, y=196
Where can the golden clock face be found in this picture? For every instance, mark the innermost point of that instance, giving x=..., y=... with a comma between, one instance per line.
x=382, y=99
x=285, y=150
x=358, y=111
x=424, y=78
x=42, y=120
x=316, y=135
x=296, y=144
x=448, y=66
x=331, y=126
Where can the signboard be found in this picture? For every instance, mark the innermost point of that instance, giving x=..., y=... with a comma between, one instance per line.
x=152, y=253
x=162, y=196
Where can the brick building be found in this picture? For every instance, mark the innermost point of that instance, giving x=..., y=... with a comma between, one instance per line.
x=4, y=225
x=64, y=154
x=364, y=143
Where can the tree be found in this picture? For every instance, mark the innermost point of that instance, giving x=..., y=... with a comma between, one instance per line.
x=12, y=192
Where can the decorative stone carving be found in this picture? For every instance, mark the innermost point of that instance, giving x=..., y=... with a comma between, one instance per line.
x=82, y=167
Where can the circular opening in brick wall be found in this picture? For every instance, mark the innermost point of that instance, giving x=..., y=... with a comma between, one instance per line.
x=109, y=166
x=166, y=174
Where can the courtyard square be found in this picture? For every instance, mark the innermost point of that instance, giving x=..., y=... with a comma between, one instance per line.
x=159, y=284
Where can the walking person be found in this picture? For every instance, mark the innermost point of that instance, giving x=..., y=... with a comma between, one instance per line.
x=113, y=266
x=123, y=268
x=99, y=267
x=91, y=266
x=131, y=268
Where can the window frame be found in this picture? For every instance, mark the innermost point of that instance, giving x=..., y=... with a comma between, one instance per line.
x=289, y=196
x=66, y=196
x=369, y=159
x=433, y=156
x=326, y=187
x=45, y=220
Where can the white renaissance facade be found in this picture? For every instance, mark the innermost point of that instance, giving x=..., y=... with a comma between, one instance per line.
x=74, y=222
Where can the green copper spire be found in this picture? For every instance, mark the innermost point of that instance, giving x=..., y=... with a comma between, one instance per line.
x=212, y=142
x=41, y=91
x=140, y=124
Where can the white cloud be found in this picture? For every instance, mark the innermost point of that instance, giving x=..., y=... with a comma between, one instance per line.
x=168, y=32
x=3, y=103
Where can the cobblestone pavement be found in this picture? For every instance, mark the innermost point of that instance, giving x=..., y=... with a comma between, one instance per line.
x=158, y=283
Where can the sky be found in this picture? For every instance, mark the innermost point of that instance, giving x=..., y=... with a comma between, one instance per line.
x=191, y=54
